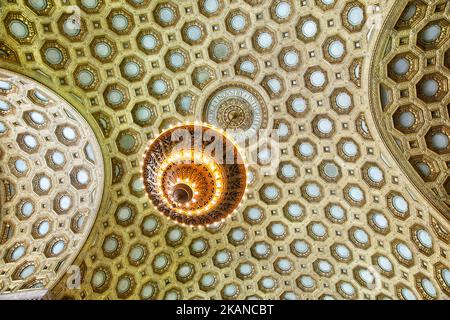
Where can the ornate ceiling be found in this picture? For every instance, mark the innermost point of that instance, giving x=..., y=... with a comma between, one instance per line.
x=409, y=87
x=356, y=91
x=52, y=182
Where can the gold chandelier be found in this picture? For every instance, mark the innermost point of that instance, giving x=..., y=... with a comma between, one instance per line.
x=194, y=174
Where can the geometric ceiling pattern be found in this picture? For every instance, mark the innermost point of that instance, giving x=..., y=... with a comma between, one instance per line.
x=409, y=87
x=52, y=183
x=344, y=216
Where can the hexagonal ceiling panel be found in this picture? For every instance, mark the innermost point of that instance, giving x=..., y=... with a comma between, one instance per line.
x=52, y=181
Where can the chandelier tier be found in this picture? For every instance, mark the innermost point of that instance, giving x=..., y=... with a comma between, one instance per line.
x=194, y=174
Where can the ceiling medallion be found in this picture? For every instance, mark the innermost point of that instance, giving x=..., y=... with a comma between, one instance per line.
x=236, y=107
x=194, y=174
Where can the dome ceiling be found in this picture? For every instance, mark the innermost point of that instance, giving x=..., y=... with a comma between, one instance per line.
x=52, y=177
x=411, y=97
x=343, y=215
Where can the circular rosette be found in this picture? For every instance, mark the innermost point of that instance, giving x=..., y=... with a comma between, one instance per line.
x=194, y=174
x=237, y=108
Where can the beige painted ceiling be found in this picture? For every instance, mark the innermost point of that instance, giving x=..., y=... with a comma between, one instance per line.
x=357, y=91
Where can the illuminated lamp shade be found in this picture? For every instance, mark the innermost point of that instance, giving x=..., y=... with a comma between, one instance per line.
x=194, y=174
